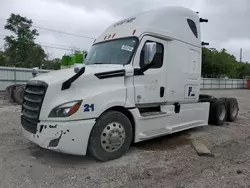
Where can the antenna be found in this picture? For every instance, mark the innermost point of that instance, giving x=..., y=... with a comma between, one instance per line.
x=241, y=55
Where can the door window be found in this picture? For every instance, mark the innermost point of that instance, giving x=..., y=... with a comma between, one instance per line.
x=157, y=59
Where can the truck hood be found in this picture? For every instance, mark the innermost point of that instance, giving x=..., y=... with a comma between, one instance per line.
x=98, y=89
x=64, y=74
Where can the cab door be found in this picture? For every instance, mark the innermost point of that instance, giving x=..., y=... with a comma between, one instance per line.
x=150, y=71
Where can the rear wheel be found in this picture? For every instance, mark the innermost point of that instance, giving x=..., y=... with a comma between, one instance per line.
x=218, y=112
x=232, y=109
x=111, y=136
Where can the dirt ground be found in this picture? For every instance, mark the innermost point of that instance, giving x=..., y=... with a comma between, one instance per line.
x=168, y=161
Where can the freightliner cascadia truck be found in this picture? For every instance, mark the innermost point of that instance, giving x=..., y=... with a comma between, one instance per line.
x=140, y=80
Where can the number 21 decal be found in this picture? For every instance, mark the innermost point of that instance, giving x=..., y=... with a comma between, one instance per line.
x=89, y=108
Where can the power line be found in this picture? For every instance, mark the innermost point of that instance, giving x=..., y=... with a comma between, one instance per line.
x=62, y=32
x=57, y=31
x=59, y=48
x=55, y=47
x=51, y=44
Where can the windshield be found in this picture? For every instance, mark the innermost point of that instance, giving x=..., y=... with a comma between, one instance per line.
x=117, y=51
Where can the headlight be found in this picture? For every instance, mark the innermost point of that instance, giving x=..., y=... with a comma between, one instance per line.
x=66, y=109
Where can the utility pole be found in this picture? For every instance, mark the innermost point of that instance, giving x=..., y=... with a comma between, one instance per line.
x=241, y=55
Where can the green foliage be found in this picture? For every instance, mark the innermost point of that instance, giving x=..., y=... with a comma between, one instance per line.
x=243, y=71
x=220, y=64
x=2, y=59
x=52, y=65
x=20, y=47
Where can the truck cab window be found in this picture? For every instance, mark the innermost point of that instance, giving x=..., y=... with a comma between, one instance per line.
x=156, y=59
x=117, y=51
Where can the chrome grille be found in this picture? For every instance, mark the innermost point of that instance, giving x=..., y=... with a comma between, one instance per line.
x=32, y=103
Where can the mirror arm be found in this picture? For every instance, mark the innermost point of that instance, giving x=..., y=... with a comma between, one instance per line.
x=67, y=83
x=140, y=71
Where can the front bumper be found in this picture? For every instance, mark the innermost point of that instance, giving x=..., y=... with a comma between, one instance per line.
x=65, y=137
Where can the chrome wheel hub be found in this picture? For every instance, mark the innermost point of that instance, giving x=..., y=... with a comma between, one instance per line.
x=113, y=137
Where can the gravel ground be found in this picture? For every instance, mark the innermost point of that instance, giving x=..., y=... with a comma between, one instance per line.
x=1, y=95
x=168, y=161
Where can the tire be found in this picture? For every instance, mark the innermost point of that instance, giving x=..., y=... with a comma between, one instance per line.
x=218, y=112
x=8, y=93
x=18, y=95
x=11, y=91
x=99, y=144
x=232, y=109
x=225, y=100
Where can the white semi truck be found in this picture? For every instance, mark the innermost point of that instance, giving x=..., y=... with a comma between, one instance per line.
x=140, y=80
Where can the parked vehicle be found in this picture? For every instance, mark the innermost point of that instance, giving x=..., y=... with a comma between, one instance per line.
x=141, y=80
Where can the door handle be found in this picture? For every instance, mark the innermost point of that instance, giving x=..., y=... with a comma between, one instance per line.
x=162, y=89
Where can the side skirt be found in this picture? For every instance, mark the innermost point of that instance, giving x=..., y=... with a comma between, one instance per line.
x=168, y=121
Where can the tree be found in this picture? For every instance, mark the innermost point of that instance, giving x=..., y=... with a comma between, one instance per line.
x=74, y=50
x=243, y=70
x=219, y=63
x=20, y=48
x=2, y=58
x=53, y=64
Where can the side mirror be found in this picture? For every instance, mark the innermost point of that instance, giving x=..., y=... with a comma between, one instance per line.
x=149, y=52
x=147, y=56
x=78, y=67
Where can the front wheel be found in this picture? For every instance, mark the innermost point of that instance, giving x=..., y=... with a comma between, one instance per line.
x=111, y=136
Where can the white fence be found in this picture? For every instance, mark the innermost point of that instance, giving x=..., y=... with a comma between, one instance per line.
x=214, y=83
x=10, y=76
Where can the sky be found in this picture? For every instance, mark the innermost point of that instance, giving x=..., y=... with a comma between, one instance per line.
x=228, y=26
